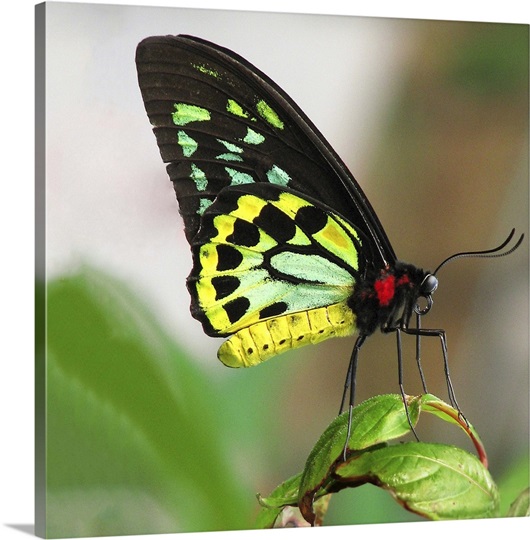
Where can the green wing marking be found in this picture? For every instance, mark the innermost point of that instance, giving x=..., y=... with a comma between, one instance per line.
x=187, y=143
x=235, y=108
x=269, y=114
x=185, y=113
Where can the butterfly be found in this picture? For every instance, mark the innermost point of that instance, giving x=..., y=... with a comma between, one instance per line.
x=287, y=250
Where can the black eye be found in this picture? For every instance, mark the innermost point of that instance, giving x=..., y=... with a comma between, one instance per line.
x=428, y=285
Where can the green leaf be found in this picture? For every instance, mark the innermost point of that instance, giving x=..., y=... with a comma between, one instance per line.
x=521, y=506
x=134, y=444
x=439, y=408
x=374, y=421
x=434, y=480
x=279, y=508
x=286, y=494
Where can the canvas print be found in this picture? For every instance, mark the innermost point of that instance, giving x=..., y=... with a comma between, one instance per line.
x=282, y=270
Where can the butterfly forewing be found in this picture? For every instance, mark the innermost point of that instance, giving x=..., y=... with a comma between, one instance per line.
x=220, y=122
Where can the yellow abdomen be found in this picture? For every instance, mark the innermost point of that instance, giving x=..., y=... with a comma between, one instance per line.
x=268, y=338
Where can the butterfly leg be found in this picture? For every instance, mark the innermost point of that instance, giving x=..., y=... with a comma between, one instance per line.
x=443, y=340
x=350, y=383
x=418, y=354
x=400, y=380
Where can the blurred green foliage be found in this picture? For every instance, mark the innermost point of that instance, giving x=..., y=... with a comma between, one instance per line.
x=491, y=59
x=133, y=440
x=513, y=482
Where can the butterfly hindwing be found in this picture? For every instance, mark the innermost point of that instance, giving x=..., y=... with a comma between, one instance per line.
x=265, y=251
x=220, y=122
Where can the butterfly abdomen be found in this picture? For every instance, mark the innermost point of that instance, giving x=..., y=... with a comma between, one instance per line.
x=268, y=338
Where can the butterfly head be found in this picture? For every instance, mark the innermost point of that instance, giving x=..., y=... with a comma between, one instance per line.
x=427, y=287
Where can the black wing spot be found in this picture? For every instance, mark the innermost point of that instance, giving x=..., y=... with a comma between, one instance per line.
x=311, y=219
x=275, y=223
x=228, y=258
x=224, y=286
x=244, y=234
x=273, y=310
x=235, y=309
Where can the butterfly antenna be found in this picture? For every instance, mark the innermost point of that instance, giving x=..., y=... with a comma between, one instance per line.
x=488, y=253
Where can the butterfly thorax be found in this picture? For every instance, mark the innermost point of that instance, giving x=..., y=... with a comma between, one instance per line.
x=386, y=297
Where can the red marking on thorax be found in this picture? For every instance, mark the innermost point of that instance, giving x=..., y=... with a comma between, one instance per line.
x=404, y=279
x=385, y=288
